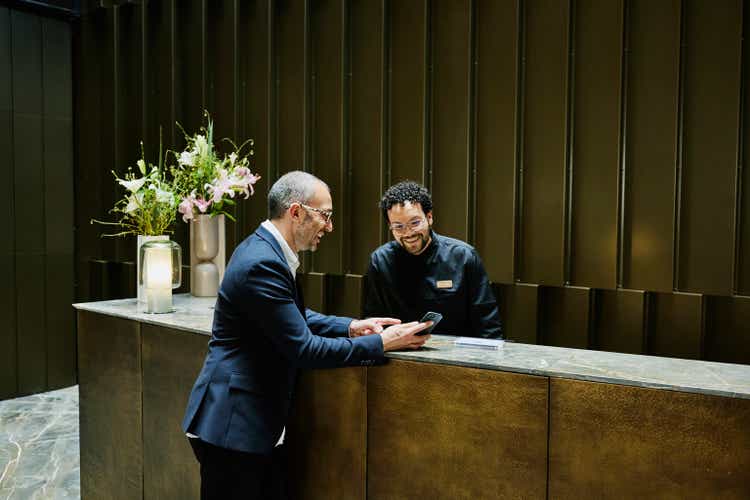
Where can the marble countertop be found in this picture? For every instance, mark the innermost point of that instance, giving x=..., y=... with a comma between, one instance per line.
x=193, y=314
x=723, y=379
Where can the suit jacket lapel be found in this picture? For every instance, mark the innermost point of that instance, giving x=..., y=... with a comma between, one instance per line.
x=300, y=298
x=266, y=235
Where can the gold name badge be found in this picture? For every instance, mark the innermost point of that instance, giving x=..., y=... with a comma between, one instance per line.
x=445, y=284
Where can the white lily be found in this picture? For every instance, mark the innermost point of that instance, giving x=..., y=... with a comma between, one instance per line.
x=162, y=195
x=132, y=185
x=141, y=166
x=134, y=202
x=201, y=146
x=186, y=159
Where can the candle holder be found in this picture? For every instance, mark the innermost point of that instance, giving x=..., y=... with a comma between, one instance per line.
x=161, y=271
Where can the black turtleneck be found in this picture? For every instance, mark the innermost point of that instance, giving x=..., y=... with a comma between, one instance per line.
x=447, y=277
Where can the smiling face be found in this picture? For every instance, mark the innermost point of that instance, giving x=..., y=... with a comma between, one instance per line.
x=310, y=225
x=410, y=226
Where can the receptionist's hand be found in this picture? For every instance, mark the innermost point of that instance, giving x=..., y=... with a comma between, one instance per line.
x=368, y=326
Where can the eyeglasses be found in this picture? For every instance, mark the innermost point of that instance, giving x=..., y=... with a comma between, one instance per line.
x=327, y=214
x=412, y=225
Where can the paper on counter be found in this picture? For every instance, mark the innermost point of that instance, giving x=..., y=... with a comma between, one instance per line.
x=494, y=344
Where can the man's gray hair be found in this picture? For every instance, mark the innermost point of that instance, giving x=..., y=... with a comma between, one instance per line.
x=292, y=187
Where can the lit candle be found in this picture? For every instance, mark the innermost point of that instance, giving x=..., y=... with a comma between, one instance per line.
x=158, y=279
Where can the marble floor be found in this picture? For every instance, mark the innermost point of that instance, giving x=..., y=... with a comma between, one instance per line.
x=39, y=453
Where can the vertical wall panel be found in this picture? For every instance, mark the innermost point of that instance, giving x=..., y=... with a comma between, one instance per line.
x=676, y=325
x=189, y=60
x=255, y=104
x=58, y=203
x=327, y=26
x=190, y=65
x=519, y=311
x=651, y=144
x=90, y=200
x=128, y=75
x=728, y=329
x=743, y=249
x=30, y=323
x=159, y=78
x=496, y=137
x=103, y=130
x=28, y=200
x=291, y=84
x=344, y=295
x=221, y=70
x=544, y=142
x=222, y=92
x=596, y=144
x=408, y=53
x=37, y=341
x=314, y=290
x=619, y=321
x=366, y=146
x=159, y=94
x=711, y=103
x=8, y=379
x=564, y=316
x=128, y=102
x=450, y=112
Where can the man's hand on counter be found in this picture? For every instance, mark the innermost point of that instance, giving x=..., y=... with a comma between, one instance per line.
x=368, y=326
x=405, y=336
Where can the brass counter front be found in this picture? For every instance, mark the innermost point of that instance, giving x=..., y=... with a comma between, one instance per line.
x=611, y=440
x=453, y=432
x=412, y=428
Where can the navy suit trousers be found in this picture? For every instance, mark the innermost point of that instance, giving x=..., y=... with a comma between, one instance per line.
x=234, y=475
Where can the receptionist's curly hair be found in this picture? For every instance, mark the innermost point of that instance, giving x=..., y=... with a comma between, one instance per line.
x=404, y=191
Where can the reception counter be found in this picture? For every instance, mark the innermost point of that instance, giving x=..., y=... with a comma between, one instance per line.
x=525, y=421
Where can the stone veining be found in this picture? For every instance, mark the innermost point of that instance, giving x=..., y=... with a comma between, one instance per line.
x=705, y=377
x=39, y=446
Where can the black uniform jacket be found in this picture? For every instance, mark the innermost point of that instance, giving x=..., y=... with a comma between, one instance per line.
x=448, y=278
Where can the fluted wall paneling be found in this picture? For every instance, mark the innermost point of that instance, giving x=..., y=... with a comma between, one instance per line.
x=8, y=340
x=651, y=147
x=37, y=330
x=593, y=152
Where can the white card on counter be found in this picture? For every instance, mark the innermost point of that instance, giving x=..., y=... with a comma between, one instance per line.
x=479, y=342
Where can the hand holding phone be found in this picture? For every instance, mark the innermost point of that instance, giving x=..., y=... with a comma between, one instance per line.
x=430, y=316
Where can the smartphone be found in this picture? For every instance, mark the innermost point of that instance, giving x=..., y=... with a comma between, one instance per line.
x=430, y=316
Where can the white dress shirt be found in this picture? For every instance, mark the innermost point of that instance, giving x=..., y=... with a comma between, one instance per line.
x=291, y=257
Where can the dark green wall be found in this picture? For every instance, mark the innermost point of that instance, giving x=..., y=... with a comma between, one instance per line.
x=37, y=326
x=593, y=151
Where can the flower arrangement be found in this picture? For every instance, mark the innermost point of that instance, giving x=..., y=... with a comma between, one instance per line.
x=148, y=207
x=205, y=182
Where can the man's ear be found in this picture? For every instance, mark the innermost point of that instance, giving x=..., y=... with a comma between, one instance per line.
x=294, y=211
x=428, y=215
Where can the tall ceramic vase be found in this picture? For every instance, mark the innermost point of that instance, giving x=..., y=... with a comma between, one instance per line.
x=141, y=240
x=207, y=255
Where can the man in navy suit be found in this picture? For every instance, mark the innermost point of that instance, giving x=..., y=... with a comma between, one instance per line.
x=262, y=334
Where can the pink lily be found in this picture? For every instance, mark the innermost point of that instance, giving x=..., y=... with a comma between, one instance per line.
x=202, y=204
x=186, y=208
x=243, y=179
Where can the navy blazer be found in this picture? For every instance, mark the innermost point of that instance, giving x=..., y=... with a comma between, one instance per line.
x=261, y=335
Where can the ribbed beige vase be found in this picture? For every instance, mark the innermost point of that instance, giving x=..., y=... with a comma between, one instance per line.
x=207, y=255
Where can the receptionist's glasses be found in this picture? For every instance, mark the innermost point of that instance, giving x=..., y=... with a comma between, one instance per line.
x=412, y=225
